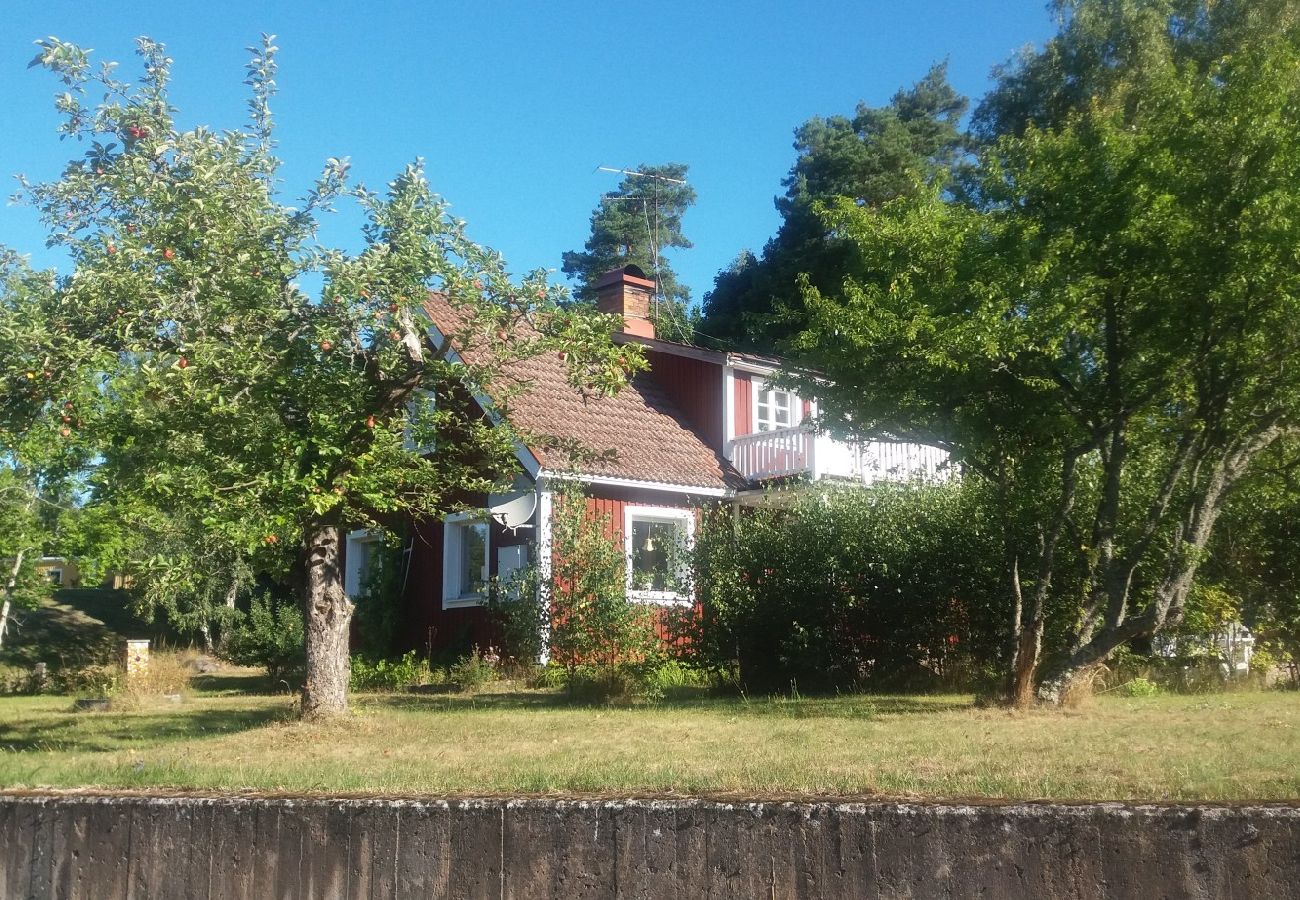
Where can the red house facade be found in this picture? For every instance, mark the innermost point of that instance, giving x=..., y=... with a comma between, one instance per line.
x=699, y=428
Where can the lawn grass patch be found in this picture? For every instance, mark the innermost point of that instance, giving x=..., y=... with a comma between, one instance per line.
x=1228, y=747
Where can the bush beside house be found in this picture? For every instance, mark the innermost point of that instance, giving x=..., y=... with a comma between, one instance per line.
x=900, y=586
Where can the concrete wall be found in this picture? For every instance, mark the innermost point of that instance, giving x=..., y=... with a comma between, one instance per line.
x=104, y=847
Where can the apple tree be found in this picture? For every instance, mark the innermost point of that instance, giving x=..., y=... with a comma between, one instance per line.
x=38, y=465
x=248, y=376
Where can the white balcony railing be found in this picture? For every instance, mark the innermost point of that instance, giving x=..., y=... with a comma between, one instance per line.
x=802, y=451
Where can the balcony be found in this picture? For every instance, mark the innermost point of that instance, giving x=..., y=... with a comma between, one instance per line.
x=798, y=451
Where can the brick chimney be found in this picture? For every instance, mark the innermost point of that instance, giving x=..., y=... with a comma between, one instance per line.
x=628, y=293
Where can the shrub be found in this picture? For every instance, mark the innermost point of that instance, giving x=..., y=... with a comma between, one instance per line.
x=607, y=684
x=592, y=621
x=88, y=681
x=167, y=673
x=602, y=646
x=1140, y=687
x=518, y=608
x=389, y=674
x=898, y=586
x=270, y=636
x=473, y=671
x=20, y=680
x=550, y=676
x=669, y=677
x=629, y=682
x=579, y=611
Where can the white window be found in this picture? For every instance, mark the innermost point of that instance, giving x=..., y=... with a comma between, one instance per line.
x=512, y=568
x=655, y=542
x=417, y=434
x=464, y=560
x=362, y=545
x=56, y=577
x=773, y=408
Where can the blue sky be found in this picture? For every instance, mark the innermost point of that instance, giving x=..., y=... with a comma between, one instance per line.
x=513, y=105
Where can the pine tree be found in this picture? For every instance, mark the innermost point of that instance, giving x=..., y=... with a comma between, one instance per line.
x=878, y=155
x=633, y=225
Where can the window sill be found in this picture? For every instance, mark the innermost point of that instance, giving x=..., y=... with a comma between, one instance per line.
x=663, y=598
x=466, y=601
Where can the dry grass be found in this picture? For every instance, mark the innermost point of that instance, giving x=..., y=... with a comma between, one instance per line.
x=1229, y=747
x=167, y=675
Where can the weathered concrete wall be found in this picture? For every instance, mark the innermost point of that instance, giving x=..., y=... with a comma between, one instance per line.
x=189, y=847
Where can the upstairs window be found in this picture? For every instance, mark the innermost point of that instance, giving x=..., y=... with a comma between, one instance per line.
x=773, y=408
x=417, y=434
x=464, y=560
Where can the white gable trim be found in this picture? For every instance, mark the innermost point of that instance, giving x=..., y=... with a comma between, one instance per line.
x=754, y=368
x=634, y=483
x=532, y=465
x=728, y=407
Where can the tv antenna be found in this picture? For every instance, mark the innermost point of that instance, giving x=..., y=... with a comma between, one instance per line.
x=652, y=233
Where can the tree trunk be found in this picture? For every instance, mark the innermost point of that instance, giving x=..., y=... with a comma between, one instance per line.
x=223, y=633
x=328, y=615
x=1055, y=688
x=1028, y=652
x=1027, y=644
x=1028, y=625
x=1181, y=563
x=11, y=584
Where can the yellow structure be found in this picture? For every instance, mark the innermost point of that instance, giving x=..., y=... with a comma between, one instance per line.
x=135, y=658
x=61, y=571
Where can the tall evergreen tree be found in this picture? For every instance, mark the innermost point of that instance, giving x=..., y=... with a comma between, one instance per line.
x=877, y=155
x=633, y=225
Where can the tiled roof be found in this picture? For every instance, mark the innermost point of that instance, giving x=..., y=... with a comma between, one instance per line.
x=719, y=356
x=638, y=433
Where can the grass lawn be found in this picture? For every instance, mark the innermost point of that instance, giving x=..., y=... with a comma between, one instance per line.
x=1235, y=747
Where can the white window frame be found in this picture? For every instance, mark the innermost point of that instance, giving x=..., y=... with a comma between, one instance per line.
x=761, y=388
x=662, y=514
x=452, y=544
x=419, y=398
x=353, y=570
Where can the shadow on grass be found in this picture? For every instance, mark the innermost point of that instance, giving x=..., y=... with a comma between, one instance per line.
x=427, y=700
x=82, y=627
x=103, y=732
x=696, y=700
x=241, y=683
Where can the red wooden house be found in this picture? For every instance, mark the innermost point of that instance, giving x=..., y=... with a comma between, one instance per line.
x=699, y=427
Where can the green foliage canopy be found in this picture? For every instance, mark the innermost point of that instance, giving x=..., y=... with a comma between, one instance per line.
x=212, y=382
x=876, y=156
x=635, y=224
x=1107, y=331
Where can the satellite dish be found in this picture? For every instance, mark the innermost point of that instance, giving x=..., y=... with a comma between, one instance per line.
x=513, y=510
